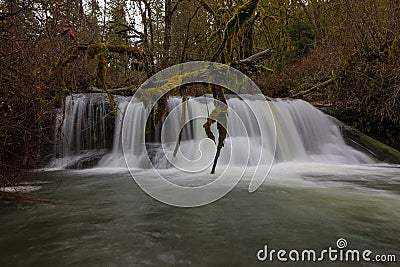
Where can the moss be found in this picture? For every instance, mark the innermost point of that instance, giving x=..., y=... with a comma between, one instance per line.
x=131, y=51
x=94, y=49
x=242, y=14
x=376, y=148
x=112, y=104
x=160, y=109
x=108, y=49
x=245, y=11
x=101, y=68
x=389, y=152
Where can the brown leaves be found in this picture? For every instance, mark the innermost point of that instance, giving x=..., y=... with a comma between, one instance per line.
x=68, y=29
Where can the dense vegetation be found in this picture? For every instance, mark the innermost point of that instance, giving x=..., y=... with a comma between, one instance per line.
x=338, y=54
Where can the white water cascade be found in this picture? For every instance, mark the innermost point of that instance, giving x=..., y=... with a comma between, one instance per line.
x=80, y=129
x=303, y=134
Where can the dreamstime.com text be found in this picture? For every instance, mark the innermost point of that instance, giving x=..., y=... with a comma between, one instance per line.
x=340, y=253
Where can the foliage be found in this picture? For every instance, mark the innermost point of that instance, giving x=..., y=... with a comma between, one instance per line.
x=375, y=81
x=302, y=36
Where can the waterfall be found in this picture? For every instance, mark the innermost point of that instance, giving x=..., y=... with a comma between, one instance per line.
x=81, y=128
x=303, y=133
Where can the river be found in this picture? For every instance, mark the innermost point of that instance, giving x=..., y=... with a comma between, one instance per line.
x=103, y=218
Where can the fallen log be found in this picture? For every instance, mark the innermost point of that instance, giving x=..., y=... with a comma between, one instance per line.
x=322, y=105
x=367, y=144
x=115, y=91
x=257, y=58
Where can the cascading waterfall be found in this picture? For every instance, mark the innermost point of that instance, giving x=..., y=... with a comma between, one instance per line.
x=81, y=128
x=303, y=133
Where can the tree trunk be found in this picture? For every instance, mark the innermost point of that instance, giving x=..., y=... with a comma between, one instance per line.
x=167, y=33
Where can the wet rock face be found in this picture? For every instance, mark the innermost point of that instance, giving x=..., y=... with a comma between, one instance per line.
x=87, y=161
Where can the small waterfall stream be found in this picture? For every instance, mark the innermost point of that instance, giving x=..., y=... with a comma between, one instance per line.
x=303, y=134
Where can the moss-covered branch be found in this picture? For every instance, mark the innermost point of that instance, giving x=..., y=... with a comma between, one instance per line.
x=314, y=88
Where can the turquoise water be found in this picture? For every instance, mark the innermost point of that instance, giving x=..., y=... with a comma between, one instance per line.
x=102, y=218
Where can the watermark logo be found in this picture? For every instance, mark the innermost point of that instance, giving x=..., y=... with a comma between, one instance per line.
x=340, y=253
x=341, y=243
x=158, y=184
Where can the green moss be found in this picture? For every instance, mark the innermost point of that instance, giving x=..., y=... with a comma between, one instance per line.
x=160, y=109
x=242, y=14
x=245, y=11
x=384, y=152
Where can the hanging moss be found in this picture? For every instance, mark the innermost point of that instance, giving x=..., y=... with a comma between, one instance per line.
x=245, y=11
x=94, y=49
x=241, y=15
x=160, y=109
x=102, y=69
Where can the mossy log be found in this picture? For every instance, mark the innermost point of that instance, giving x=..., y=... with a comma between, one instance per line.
x=252, y=64
x=129, y=90
x=369, y=145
